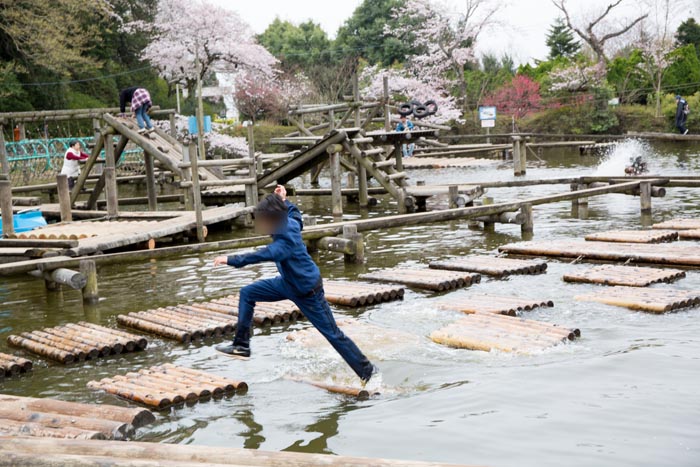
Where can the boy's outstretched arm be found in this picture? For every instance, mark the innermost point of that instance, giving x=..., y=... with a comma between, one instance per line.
x=279, y=250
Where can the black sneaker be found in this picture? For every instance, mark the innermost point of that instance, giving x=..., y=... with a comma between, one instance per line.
x=231, y=350
x=366, y=379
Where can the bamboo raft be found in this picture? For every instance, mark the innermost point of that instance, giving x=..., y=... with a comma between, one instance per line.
x=491, y=265
x=11, y=365
x=680, y=254
x=430, y=279
x=489, y=331
x=652, y=300
x=359, y=293
x=77, y=342
x=166, y=385
x=629, y=276
x=27, y=416
x=484, y=303
x=634, y=236
x=678, y=224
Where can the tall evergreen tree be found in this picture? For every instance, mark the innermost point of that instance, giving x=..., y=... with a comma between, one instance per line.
x=689, y=33
x=561, y=41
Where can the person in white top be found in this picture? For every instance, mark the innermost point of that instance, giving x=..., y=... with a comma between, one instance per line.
x=71, y=161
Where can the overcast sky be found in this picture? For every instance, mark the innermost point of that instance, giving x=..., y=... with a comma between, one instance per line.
x=521, y=34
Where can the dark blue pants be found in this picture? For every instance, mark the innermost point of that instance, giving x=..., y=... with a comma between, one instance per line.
x=315, y=308
x=681, y=128
x=142, y=118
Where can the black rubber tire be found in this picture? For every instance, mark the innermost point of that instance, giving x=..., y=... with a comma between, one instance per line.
x=405, y=110
x=432, y=107
x=421, y=111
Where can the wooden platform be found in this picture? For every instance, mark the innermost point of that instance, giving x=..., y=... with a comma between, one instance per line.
x=166, y=385
x=426, y=191
x=51, y=418
x=486, y=303
x=488, y=331
x=624, y=275
x=11, y=365
x=634, y=236
x=183, y=323
x=678, y=224
x=680, y=254
x=445, y=162
x=652, y=300
x=491, y=265
x=431, y=279
x=77, y=342
x=360, y=293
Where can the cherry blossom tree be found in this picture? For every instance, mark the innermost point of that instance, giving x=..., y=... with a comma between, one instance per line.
x=577, y=77
x=518, y=98
x=445, y=38
x=258, y=97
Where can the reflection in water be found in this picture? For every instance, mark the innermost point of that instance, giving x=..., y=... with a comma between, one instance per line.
x=327, y=427
x=252, y=439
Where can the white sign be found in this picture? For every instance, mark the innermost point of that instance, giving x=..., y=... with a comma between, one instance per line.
x=488, y=123
x=487, y=113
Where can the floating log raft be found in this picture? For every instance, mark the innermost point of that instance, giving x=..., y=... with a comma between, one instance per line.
x=491, y=265
x=678, y=224
x=26, y=416
x=624, y=275
x=77, y=342
x=666, y=253
x=359, y=293
x=693, y=234
x=431, y=279
x=266, y=313
x=489, y=331
x=652, y=300
x=634, y=236
x=359, y=393
x=11, y=365
x=165, y=385
x=445, y=162
x=484, y=303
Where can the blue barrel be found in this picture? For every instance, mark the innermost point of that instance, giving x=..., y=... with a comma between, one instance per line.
x=192, y=124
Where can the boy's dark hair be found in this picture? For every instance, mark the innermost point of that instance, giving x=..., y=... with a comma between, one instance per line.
x=73, y=142
x=271, y=207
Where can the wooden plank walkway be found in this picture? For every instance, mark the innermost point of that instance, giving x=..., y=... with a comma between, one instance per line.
x=11, y=365
x=166, y=385
x=360, y=293
x=491, y=265
x=51, y=418
x=652, y=300
x=430, y=279
x=624, y=275
x=489, y=331
x=77, y=342
x=446, y=162
x=426, y=191
x=678, y=224
x=679, y=254
x=634, y=236
x=486, y=303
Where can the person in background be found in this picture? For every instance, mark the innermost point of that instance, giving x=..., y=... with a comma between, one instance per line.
x=682, y=111
x=299, y=281
x=406, y=125
x=141, y=104
x=71, y=162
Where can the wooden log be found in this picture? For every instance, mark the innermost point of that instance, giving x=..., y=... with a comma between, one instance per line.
x=158, y=388
x=88, y=269
x=84, y=351
x=41, y=349
x=64, y=201
x=143, y=325
x=179, y=382
x=62, y=276
x=100, y=337
x=336, y=197
x=528, y=225
x=22, y=428
x=110, y=429
x=164, y=322
x=8, y=227
x=131, y=392
x=359, y=393
x=78, y=335
x=201, y=376
x=121, y=336
x=645, y=197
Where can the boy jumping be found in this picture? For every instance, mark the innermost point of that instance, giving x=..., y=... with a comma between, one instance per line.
x=299, y=281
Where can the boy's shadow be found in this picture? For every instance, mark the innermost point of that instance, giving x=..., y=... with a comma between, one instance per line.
x=326, y=427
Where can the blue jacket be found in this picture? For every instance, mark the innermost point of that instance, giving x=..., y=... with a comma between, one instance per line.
x=402, y=127
x=289, y=253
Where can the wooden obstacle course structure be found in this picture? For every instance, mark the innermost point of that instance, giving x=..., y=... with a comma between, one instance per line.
x=11, y=365
x=51, y=418
x=499, y=304
x=628, y=276
x=355, y=294
x=491, y=265
x=430, y=279
x=166, y=385
x=77, y=342
x=641, y=299
x=489, y=331
x=634, y=236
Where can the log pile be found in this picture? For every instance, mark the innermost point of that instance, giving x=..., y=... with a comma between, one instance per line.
x=77, y=342
x=166, y=385
x=430, y=279
x=624, y=275
x=359, y=294
x=26, y=416
x=634, y=236
x=11, y=365
x=183, y=323
x=678, y=224
x=681, y=254
x=498, y=304
x=489, y=331
x=652, y=300
x=491, y=265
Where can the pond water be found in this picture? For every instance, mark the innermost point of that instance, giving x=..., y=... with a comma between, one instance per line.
x=625, y=394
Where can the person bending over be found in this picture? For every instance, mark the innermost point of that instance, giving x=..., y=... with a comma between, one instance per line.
x=71, y=162
x=299, y=281
x=141, y=104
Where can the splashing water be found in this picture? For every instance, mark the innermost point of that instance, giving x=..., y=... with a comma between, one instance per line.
x=619, y=157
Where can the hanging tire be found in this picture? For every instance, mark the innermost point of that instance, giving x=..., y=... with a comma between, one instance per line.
x=405, y=110
x=421, y=111
x=432, y=107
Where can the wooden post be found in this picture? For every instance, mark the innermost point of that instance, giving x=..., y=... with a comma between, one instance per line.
x=8, y=226
x=582, y=201
x=331, y=120
x=64, y=198
x=171, y=118
x=336, y=188
x=4, y=163
x=523, y=157
x=645, y=197
x=89, y=270
x=528, y=226
x=251, y=191
x=187, y=177
x=196, y=194
x=151, y=188
x=200, y=152
x=387, y=109
x=398, y=157
x=111, y=179
x=453, y=193
x=517, y=159
x=488, y=225
x=22, y=132
x=350, y=233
